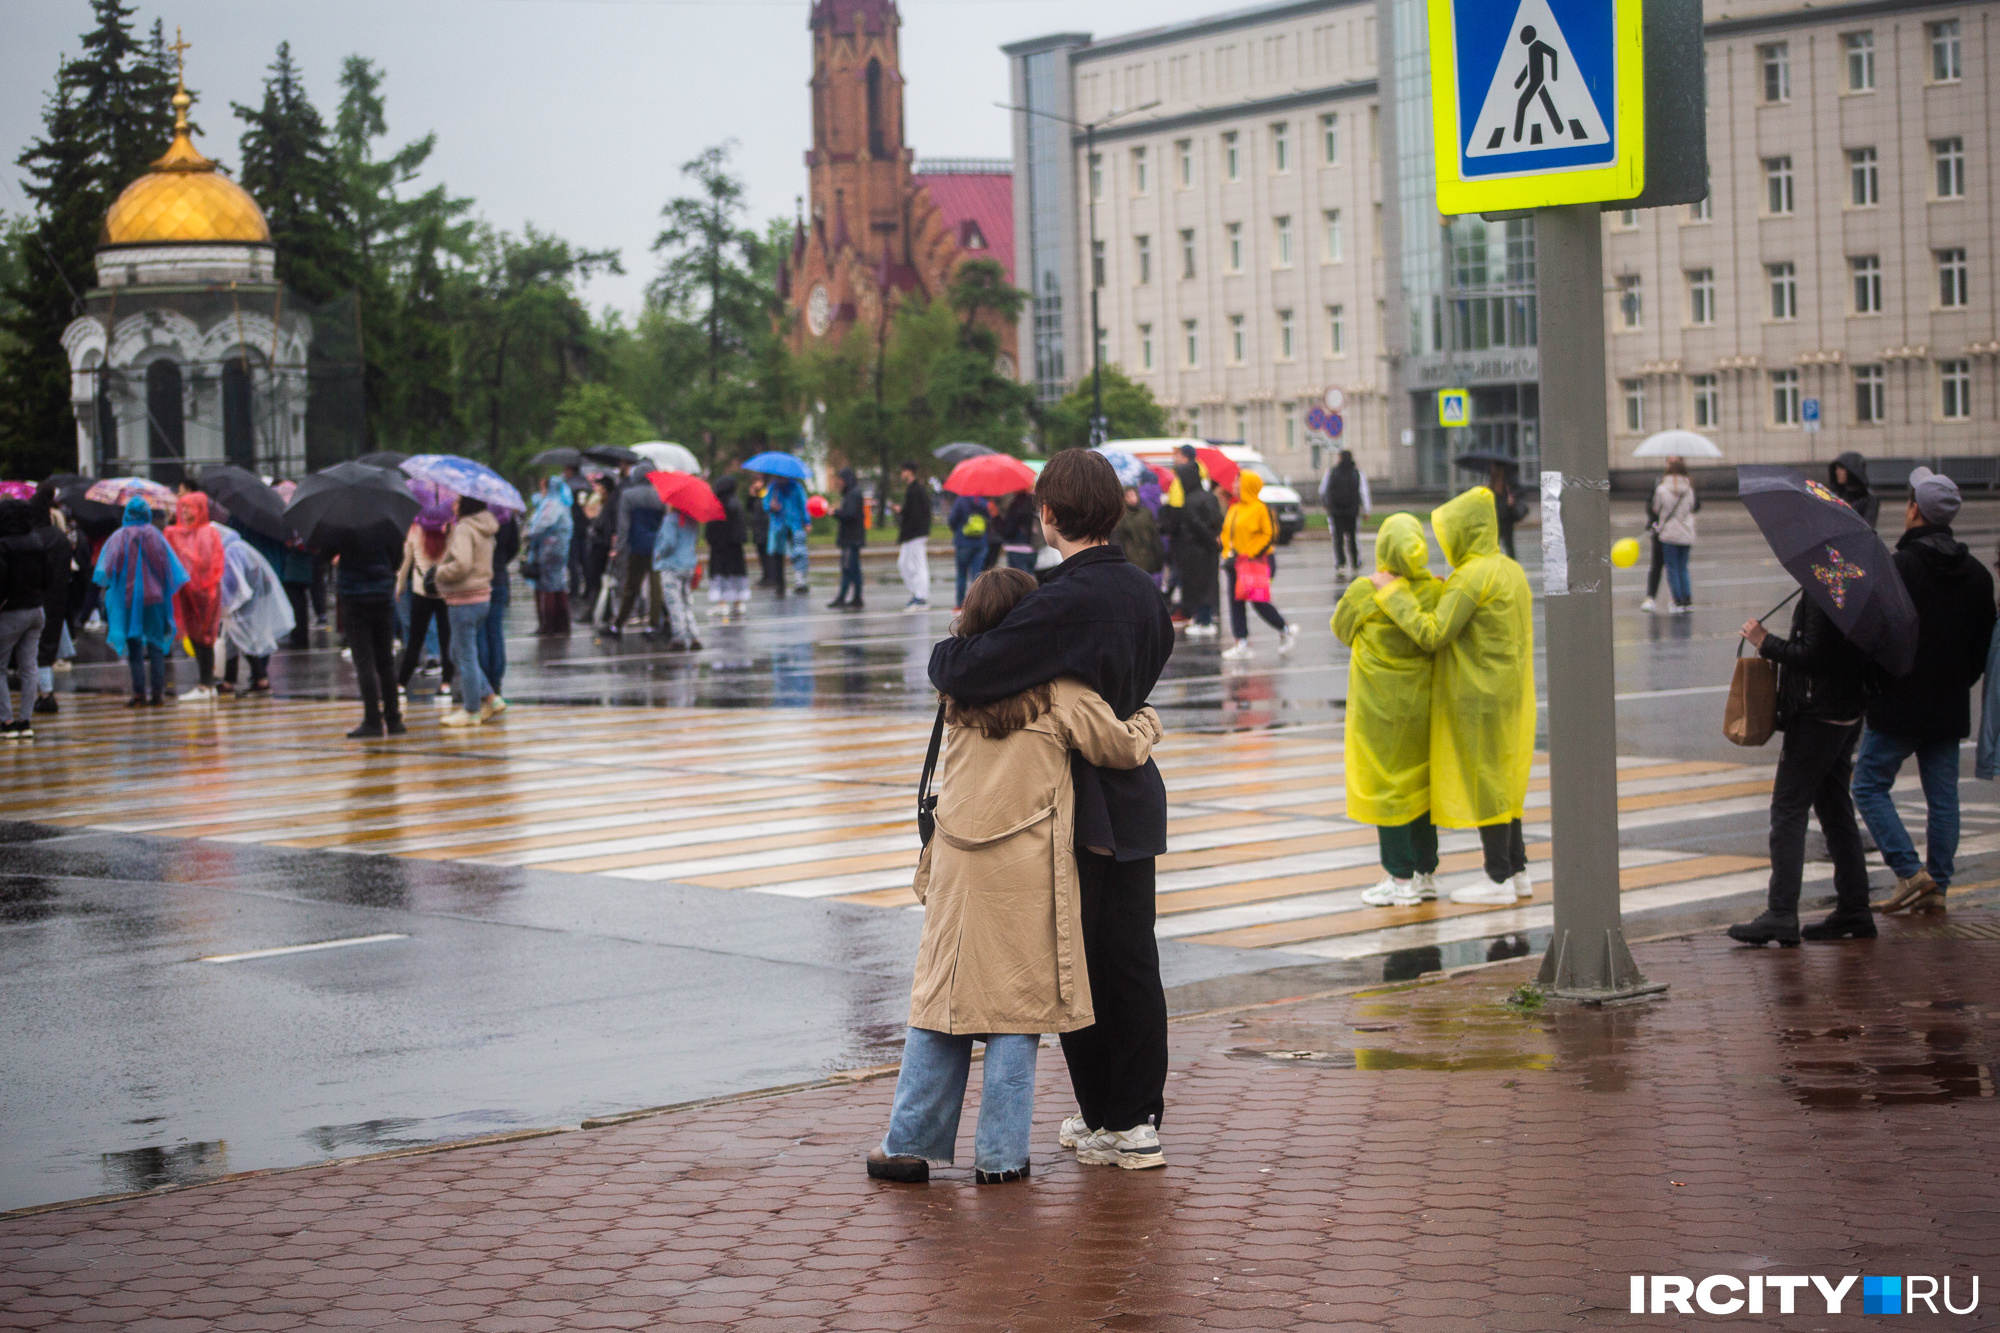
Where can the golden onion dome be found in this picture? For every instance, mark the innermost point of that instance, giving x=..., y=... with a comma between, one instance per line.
x=184, y=200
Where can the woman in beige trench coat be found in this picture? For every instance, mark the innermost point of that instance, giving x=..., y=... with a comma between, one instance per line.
x=1002, y=956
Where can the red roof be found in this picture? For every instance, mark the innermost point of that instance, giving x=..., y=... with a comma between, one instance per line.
x=876, y=15
x=979, y=208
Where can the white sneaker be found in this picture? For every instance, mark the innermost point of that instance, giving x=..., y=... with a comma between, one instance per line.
x=1649, y=605
x=1524, y=885
x=1134, y=1149
x=1486, y=894
x=1201, y=631
x=458, y=717
x=1392, y=892
x=1684, y=609
x=492, y=708
x=199, y=694
x=1074, y=1130
x=1426, y=886
x=1288, y=640
x=1237, y=651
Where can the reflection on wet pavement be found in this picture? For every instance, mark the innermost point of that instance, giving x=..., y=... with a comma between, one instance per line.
x=151, y=1168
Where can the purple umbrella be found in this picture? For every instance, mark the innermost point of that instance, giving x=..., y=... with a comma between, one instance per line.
x=462, y=476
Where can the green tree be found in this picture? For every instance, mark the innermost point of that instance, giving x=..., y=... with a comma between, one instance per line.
x=592, y=414
x=290, y=168
x=1131, y=409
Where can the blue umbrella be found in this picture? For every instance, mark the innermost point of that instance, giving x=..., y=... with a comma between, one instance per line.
x=775, y=464
x=465, y=477
x=1131, y=472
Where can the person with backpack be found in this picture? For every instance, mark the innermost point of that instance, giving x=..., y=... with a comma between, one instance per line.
x=1344, y=492
x=640, y=512
x=969, y=519
x=24, y=579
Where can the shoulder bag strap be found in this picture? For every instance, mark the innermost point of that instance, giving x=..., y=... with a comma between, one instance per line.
x=926, y=801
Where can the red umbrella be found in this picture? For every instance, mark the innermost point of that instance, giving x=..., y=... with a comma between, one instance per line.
x=990, y=474
x=690, y=495
x=1220, y=470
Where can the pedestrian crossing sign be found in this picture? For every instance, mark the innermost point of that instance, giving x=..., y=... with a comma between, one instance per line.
x=1537, y=102
x=1454, y=407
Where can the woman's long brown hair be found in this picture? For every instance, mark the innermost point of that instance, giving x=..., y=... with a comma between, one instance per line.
x=987, y=602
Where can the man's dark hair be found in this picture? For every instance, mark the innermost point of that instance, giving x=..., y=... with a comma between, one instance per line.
x=1081, y=489
x=910, y=465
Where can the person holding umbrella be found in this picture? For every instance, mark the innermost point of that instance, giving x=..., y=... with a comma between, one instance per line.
x=423, y=547
x=140, y=574
x=770, y=566
x=639, y=515
x=968, y=520
x=25, y=573
x=676, y=551
x=785, y=504
x=365, y=578
x=463, y=578
x=1673, y=507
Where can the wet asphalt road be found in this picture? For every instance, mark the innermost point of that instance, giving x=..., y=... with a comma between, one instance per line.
x=522, y=999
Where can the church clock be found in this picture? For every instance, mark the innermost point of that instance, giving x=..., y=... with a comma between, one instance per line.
x=819, y=311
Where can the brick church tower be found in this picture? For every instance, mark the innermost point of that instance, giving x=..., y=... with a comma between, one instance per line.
x=879, y=226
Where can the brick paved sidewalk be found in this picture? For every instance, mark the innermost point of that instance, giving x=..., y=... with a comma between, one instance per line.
x=1423, y=1159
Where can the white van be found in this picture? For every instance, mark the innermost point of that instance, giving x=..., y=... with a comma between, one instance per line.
x=1278, y=493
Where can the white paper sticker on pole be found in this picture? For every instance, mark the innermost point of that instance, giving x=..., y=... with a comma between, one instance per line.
x=1555, y=548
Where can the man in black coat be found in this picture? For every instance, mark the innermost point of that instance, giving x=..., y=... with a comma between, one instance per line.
x=1928, y=712
x=1099, y=618
x=850, y=534
x=913, y=536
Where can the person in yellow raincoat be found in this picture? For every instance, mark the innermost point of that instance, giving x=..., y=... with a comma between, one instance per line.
x=1388, y=746
x=1249, y=534
x=1482, y=636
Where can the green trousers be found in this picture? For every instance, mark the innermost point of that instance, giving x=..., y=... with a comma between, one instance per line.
x=1410, y=849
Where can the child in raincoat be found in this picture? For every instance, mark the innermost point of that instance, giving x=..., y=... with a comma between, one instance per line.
x=140, y=574
x=1002, y=953
x=676, y=551
x=1248, y=538
x=1481, y=634
x=1388, y=745
x=198, y=605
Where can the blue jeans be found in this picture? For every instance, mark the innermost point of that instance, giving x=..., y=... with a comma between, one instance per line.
x=1875, y=770
x=970, y=555
x=149, y=668
x=795, y=547
x=1678, y=582
x=467, y=624
x=493, y=635
x=850, y=573
x=1021, y=560
x=930, y=1093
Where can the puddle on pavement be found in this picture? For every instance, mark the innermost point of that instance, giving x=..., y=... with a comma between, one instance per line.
x=30, y=898
x=1888, y=1064
x=1368, y=1058
x=151, y=1168
x=391, y=1133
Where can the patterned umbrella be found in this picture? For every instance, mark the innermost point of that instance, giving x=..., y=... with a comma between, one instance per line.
x=690, y=495
x=118, y=492
x=17, y=490
x=1126, y=464
x=465, y=477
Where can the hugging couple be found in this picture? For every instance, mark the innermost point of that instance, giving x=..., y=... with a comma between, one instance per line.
x=1037, y=884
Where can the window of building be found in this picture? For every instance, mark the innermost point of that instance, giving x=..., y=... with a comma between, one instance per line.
x=1776, y=60
x=1187, y=254
x=1097, y=263
x=1864, y=178
x=1103, y=347
x=1281, y=147
x=1955, y=390
x=1184, y=154
x=1860, y=49
x=1777, y=186
x=1331, y=249
x=1329, y=138
x=1784, y=280
x=1944, y=51
x=1191, y=347
x=1628, y=219
x=1631, y=305
x=1336, y=330
x=1285, y=335
x=1635, y=404
x=1701, y=210
x=1145, y=246
x=1232, y=158
x=1374, y=134
x=1239, y=342
x=1142, y=176
x=1194, y=423
x=1867, y=273
x=1954, y=282
x=1233, y=233
x=1242, y=424
x=1146, y=346
x=1283, y=229
x=1707, y=400
x=1096, y=176
x=1291, y=426
x=1701, y=296
x=1375, y=232
x=1871, y=395
x=1949, y=156
x=1784, y=397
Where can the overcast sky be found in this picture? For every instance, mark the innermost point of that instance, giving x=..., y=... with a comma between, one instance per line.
x=576, y=114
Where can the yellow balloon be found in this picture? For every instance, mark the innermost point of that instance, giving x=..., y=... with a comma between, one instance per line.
x=1625, y=553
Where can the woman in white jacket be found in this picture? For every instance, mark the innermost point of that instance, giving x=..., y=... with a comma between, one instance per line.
x=1674, y=505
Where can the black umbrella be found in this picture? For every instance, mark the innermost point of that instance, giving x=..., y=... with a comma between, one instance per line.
x=557, y=458
x=1478, y=460
x=93, y=514
x=1837, y=558
x=248, y=500
x=613, y=453
x=349, y=502
x=383, y=458
x=954, y=454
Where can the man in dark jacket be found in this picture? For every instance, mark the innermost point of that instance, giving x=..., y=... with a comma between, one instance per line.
x=1194, y=530
x=639, y=515
x=1824, y=685
x=364, y=582
x=1344, y=493
x=25, y=571
x=61, y=549
x=1928, y=712
x=850, y=521
x=1099, y=618
x=913, y=538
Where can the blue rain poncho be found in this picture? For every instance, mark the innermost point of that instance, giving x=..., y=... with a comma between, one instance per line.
x=140, y=574
x=547, y=538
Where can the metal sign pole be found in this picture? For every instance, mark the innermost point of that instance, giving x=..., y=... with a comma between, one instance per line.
x=1587, y=958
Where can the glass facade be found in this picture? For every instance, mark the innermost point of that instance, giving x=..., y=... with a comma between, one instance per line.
x=1043, y=74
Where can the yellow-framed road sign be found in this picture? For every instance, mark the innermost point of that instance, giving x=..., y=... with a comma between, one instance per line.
x=1454, y=407
x=1536, y=103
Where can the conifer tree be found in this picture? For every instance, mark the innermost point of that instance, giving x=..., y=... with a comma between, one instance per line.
x=290, y=168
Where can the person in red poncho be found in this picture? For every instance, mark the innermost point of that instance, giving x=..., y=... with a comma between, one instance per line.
x=198, y=605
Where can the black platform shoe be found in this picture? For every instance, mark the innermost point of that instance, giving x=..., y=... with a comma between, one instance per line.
x=1769, y=928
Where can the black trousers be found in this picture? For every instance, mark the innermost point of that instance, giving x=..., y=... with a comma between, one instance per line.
x=1118, y=1065
x=1346, y=547
x=260, y=668
x=1659, y=567
x=1815, y=774
x=422, y=611
x=371, y=633
x=301, y=635
x=1505, y=851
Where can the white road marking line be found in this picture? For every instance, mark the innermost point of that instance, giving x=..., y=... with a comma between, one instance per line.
x=298, y=948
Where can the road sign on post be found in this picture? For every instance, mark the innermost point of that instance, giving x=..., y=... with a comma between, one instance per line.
x=1454, y=407
x=1809, y=414
x=1563, y=107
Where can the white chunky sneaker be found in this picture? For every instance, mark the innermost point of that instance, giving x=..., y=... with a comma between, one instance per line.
x=1074, y=1129
x=1426, y=886
x=1288, y=640
x=1524, y=885
x=1134, y=1149
x=1486, y=894
x=1649, y=605
x=1237, y=651
x=1392, y=892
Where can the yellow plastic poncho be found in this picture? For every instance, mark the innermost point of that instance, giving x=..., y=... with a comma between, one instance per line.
x=1388, y=749
x=1482, y=636
x=1247, y=528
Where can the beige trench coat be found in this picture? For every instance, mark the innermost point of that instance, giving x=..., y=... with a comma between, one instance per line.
x=1002, y=947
